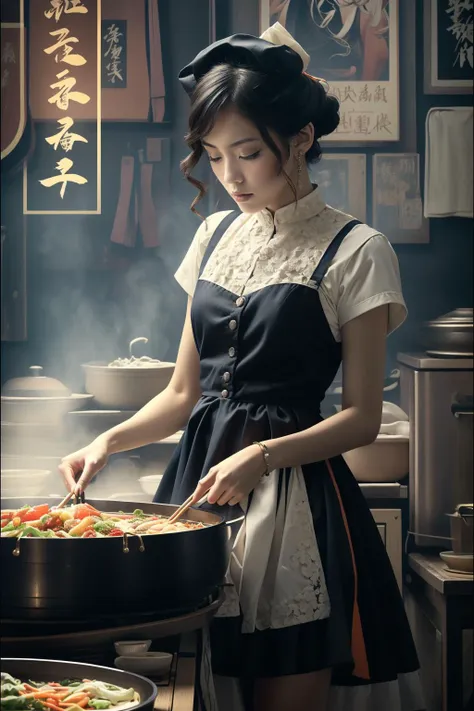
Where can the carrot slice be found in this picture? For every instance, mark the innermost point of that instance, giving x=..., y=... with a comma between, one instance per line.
x=76, y=697
x=51, y=706
x=38, y=695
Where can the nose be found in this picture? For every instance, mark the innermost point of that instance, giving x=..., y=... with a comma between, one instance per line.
x=232, y=172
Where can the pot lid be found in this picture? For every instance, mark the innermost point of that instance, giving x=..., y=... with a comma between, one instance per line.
x=458, y=317
x=35, y=385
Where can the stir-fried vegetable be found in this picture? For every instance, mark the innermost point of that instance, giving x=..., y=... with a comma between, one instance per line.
x=69, y=695
x=84, y=521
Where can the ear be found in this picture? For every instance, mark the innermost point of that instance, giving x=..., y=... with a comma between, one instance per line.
x=304, y=139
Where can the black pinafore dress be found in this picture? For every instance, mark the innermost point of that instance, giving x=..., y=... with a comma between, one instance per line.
x=264, y=373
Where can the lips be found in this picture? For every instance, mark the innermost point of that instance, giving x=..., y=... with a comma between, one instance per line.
x=241, y=196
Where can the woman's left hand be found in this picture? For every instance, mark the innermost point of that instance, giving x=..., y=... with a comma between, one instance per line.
x=230, y=481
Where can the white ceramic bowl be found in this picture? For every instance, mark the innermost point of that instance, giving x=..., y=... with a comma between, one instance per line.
x=129, y=648
x=23, y=482
x=385, y=460
x=460, y=562
x=126, y=388
x=152, y=663
x=150, y=483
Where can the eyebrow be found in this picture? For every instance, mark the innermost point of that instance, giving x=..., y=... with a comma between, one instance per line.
x=232, y=145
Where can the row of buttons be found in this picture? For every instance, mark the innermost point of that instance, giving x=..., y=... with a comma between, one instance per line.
x=239, y=302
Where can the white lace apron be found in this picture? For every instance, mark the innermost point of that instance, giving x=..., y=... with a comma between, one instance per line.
x=275, y=577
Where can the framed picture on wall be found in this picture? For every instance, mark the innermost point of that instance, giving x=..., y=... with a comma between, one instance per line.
x=341, y=178
x=354, y=47
x=397, y=209
x=448, y=46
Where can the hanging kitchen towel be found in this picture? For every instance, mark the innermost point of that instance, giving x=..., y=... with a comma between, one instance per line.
x=448, y=164
x=147, y=217
x=157, y=79
x=124, y=231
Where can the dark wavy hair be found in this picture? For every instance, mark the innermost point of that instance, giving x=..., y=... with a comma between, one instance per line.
x=283, y=109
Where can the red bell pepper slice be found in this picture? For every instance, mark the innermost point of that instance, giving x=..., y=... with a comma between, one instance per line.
x=83, y=510
x=33, y=513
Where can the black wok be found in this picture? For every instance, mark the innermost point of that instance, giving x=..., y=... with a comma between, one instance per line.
x=51, y=670
x=96, y=577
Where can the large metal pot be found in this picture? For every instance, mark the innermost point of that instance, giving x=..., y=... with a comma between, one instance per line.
x=450, y=335
x=126, y=388
x=58, y=578
x=53, y=670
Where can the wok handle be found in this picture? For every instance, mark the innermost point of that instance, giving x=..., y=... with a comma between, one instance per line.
x=235, y=520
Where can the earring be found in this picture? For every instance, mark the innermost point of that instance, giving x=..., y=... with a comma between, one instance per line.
x=299, y=168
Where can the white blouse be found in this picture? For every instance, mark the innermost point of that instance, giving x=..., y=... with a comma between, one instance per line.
x=262, y=249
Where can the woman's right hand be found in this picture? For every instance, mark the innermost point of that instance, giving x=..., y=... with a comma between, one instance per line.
x=79, y=468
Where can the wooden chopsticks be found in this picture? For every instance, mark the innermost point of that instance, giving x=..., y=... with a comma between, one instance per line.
x=68, y=498
x=181, y=510
x=179, y=513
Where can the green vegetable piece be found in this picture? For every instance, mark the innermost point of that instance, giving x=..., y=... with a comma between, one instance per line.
x=71, y=682
x=139, y=513
x=11, y=703
x=9, y=689
x=35, y=533
x=103, y=526
x=100, y=703
x=11, y=527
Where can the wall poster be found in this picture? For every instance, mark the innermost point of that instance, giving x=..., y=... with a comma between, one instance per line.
x=13, y=107
x=448, y=39
x=354, y=46
x=63, y=176
x=396, y=198
x=341, y=178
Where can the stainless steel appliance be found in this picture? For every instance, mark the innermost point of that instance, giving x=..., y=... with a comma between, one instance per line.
x=441, y=461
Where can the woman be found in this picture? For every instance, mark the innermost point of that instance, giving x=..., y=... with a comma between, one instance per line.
x=278, y=293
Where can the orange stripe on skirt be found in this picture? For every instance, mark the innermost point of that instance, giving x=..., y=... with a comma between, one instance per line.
x=359, y=653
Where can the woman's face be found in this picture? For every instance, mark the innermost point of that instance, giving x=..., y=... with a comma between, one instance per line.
x=245, y=165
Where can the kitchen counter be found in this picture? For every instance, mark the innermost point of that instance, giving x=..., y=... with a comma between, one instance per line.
x=433, y=571
x=439, y=607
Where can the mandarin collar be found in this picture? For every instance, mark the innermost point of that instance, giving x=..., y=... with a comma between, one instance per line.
x=303, y=209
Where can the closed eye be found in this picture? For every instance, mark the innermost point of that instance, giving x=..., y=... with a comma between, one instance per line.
x=214, y=160
x=252, y=156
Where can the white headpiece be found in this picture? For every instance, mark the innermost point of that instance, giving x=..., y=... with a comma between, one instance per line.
x=277, y=34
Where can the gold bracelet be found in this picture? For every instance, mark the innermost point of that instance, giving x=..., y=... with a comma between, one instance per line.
x=266, y=457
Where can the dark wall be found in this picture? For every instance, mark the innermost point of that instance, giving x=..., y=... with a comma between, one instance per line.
x=78, y=313
x=437, y=277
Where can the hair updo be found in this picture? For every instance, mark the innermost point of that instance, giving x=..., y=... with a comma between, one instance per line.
x=284, y=107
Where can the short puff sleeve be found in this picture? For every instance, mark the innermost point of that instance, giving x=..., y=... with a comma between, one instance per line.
x=371, y=278
x=187, y=274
